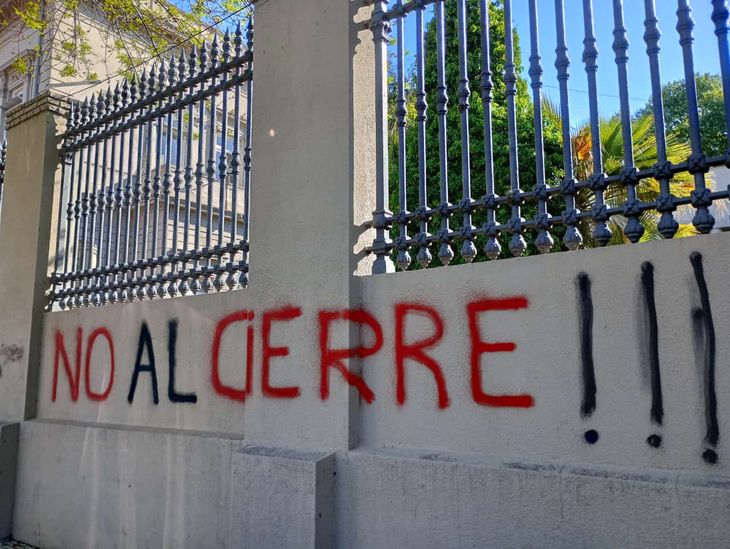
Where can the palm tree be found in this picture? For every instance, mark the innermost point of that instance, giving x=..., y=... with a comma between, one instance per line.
x=645, y=157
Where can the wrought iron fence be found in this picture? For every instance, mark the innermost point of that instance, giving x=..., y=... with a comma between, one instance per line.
x=439, y=223
x=156, y=181
x=3, y=156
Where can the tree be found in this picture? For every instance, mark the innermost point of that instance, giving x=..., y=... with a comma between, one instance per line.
x=711, y=110
x=134, y=31
x=645, y=157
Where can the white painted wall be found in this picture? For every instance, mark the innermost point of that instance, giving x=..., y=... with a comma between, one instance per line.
x=546, y=363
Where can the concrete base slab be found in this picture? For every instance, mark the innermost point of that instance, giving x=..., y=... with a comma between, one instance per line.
x=283, y=497
x=96, y=486
x=407, y=499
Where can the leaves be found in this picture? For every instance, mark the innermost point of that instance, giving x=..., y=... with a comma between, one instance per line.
x=131, y=32
x=645, y=157
x=710, y=107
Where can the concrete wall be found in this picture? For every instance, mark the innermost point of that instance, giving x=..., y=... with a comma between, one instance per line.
x=464, y=417
x=463, y=475
x=546, y=363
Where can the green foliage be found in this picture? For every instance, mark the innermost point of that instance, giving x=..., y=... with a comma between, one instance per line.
x=68, y=71
x=711, y=110
x=645, y=157
x=134, y=31
x=31, y=16
x=75, y=54
x=22, y=65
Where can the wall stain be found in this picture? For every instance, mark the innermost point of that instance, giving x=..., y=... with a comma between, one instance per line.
x=10, y=354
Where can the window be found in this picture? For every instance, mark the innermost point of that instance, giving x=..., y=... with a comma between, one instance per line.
x=173, y=143
x=219, y=141
x=16, y=94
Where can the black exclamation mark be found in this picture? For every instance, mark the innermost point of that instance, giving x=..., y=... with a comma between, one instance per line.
x=585, y=314
x=704, y=328
x=657, y=404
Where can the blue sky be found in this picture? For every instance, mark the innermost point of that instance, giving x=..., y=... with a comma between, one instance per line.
x=706, y=56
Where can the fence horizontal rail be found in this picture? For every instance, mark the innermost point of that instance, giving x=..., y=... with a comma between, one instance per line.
x=576, y=201
x=156, y=177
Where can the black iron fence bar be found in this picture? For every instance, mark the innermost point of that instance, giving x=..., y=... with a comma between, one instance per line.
x=156, y=187
x=247, y=159
x=445, y=253
x=468, y=250
x=720, y=14
x=3, y=156
x=83, y=167
x=587, y=181
x=424, y=255
x=175, y=281
x=167, y=183
x=107, y=198
x=222, y=156
x=119, y=208
x=517, y=244
x=185, y=276
x=132, y=201
x=381, y=31
x=75, y=206
x=573, y=237
x=61, y=255
x=492, y=248
x=235, y=158
x=103, y=107
x=601, y=232
x=203, y=58
x=544, y=241
x=403, y=260
x=666, y=203
x=210, y=172
x=702, y=221
x=147, y=186
x=223, y=172
x=83, y=295
x=633, y=230
x=66, y=199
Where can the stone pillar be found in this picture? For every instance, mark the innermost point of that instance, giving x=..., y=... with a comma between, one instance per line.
x=312, y=188
x=27, y=222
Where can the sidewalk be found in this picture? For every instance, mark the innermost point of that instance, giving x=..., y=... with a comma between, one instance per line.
x=11, y=544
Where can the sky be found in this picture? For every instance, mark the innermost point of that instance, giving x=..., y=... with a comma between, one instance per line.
x=705, y=47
